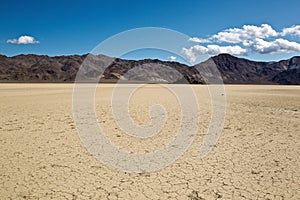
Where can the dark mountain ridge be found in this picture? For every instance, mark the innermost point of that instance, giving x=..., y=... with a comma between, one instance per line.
x=59, y=69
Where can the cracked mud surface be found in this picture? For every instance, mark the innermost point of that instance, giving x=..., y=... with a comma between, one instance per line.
x=256, y=157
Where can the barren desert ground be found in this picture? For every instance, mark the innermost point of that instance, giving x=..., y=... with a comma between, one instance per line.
x=256, y=157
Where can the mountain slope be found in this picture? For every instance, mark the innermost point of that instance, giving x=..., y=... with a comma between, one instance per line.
x=242, y=71
x=289, y=77
x=40, y=68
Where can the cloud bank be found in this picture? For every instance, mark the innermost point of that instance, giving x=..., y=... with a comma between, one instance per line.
x=277, y=46
x=25, y=39
x=195, y=51
x=261, y=39
x=294, y=30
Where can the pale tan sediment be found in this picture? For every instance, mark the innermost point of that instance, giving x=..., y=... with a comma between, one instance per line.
x=256, y=157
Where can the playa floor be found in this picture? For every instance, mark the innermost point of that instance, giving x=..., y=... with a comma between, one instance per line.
x=256, y=157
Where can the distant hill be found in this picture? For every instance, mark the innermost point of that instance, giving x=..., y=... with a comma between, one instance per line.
x=238, y=70
x=59, y=69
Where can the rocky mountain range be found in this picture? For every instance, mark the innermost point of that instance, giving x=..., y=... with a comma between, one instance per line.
x=232, y=70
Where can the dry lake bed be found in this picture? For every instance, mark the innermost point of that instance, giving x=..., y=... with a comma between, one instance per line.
x=256, y=157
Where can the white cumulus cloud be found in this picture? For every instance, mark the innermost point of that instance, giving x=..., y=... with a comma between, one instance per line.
x=172, y=58
x=199, y=40
x=234, y=50
x=277, y=46
x=24, y=39
x=294, y=30
x=261, y=39
x=237, y=35
x=195, y=51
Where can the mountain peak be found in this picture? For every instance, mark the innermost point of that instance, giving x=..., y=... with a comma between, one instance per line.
x=225, y=55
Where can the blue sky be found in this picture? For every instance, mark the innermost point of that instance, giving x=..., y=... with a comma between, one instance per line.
x=76, y=27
